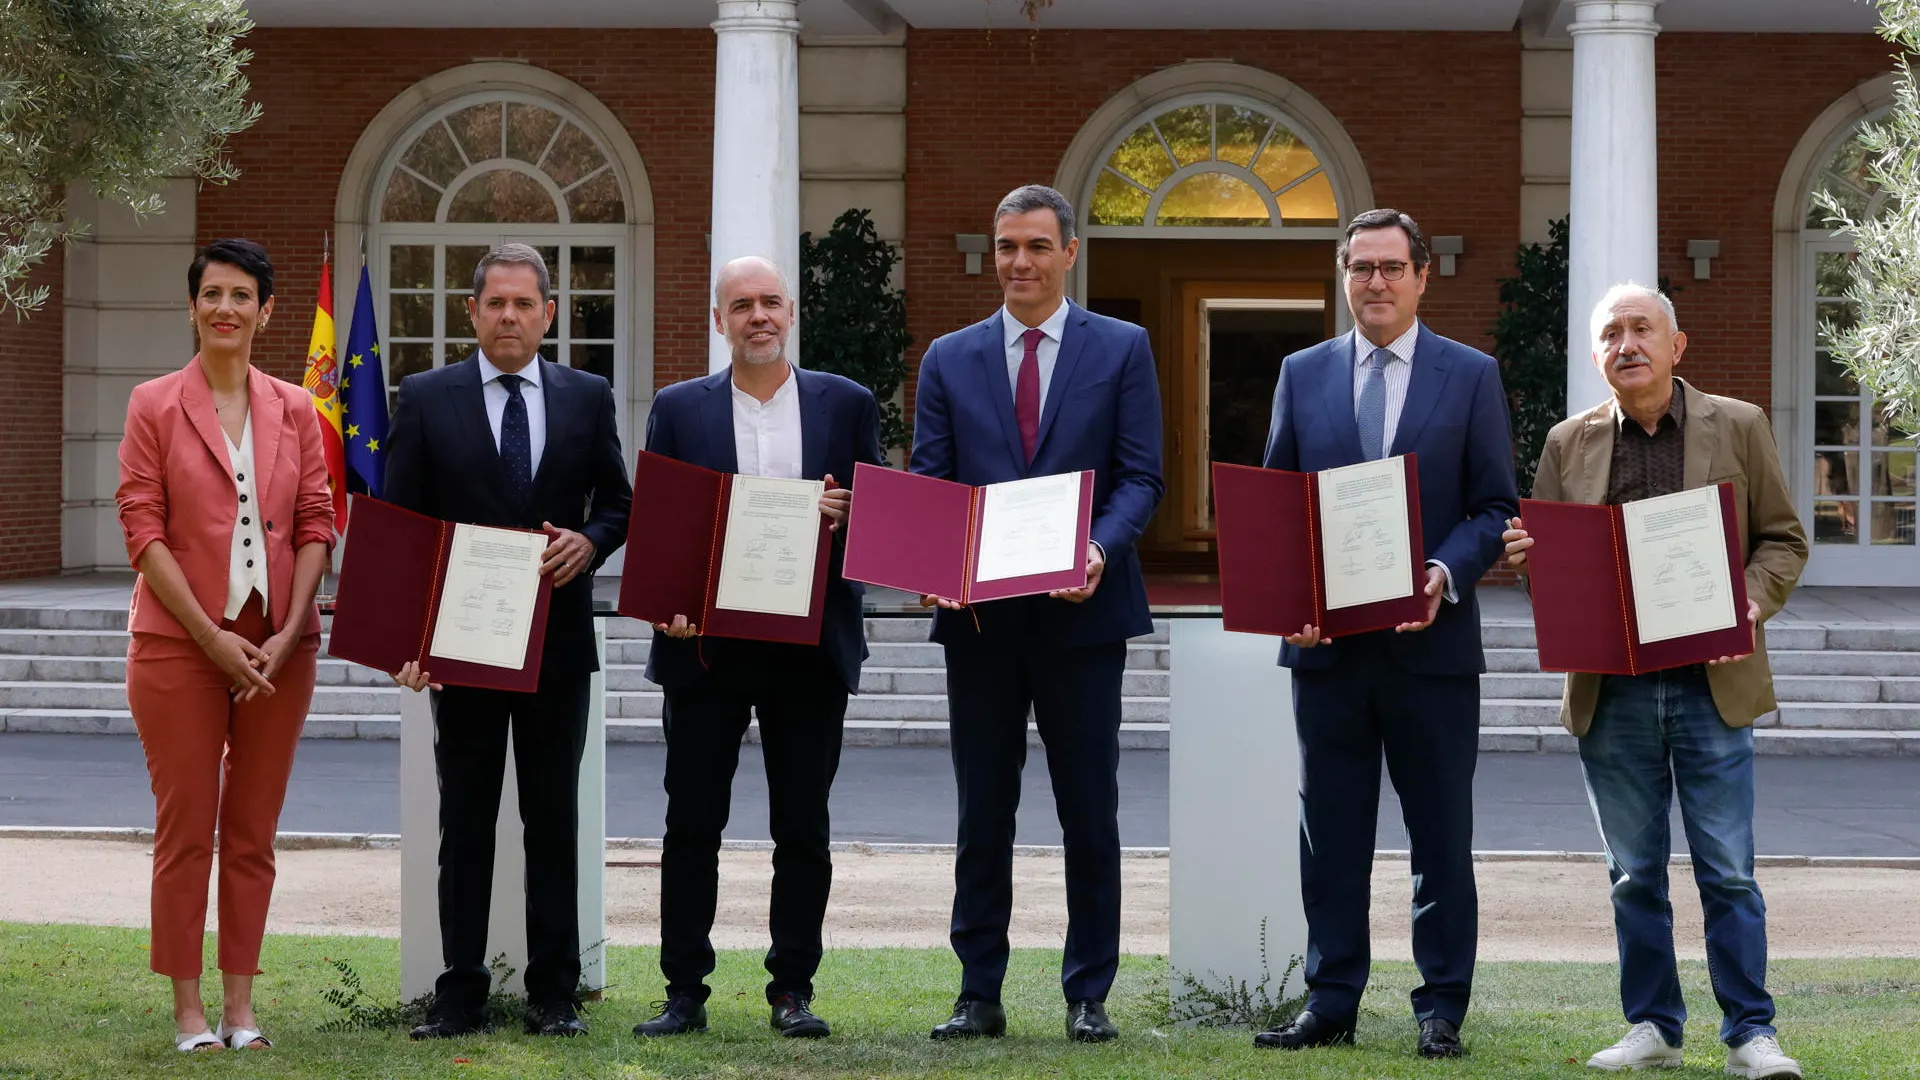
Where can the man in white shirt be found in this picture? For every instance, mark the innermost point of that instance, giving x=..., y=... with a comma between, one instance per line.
x=762, y=416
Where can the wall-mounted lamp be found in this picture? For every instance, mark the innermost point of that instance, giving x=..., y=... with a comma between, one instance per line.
x=972, y=245
x=1703, y=252
x=1448, y=248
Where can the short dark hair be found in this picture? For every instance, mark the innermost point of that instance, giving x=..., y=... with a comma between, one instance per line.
x=1384, y=218
x=1022, y=200
x=511, y=255
x=243, y=255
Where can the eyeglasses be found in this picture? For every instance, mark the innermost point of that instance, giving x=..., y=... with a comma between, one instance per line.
x=1363, y=271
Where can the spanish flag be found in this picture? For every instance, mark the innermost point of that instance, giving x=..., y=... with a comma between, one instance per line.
x=322, y=381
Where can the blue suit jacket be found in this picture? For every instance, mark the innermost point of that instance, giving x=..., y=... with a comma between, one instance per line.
x=692, y=421
x=1455, y=420
x=1102, y=412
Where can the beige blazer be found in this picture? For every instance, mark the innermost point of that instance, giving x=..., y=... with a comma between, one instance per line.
x=1726, y=439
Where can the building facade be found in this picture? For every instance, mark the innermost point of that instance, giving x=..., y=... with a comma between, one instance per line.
x=1213, y=149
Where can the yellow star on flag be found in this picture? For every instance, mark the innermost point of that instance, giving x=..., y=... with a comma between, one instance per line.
x=353, y=431
x=374, y=348
x=354, y=360
x=373, y=444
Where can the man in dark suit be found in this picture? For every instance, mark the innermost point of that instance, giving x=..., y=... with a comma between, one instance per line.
x=508, y=438
x=760, y=417
x=1042, y=386
x=1394, y=387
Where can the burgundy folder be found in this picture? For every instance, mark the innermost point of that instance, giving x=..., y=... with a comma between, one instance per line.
x=1267, y=525
x=388, y=600
x=673, y=556
x=1582, y=587
x=922, y=535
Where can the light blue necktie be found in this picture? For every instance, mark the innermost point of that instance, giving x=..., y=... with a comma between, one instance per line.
x=1371, y=411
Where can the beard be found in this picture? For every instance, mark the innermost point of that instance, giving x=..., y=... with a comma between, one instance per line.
x=758, y=356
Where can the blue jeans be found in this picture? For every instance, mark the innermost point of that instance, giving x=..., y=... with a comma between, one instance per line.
x=1653, y=734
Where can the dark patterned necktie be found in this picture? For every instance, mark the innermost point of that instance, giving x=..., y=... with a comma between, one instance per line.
x=516, y=445
x=1026, y=393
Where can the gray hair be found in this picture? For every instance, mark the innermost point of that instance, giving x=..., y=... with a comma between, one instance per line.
x=511, y=255
x=1385, y=218
x=1603, y=310
x=1023, y=200
x=720, y=278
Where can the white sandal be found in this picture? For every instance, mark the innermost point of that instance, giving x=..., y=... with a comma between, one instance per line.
x=243, y=1038
x=189, y=1044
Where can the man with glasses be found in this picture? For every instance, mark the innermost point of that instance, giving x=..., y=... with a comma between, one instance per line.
x=1394, y=387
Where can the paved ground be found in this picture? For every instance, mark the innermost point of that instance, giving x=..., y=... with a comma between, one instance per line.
x=1525, y=802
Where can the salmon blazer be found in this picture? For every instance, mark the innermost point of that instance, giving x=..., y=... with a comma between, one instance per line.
x=177, y=487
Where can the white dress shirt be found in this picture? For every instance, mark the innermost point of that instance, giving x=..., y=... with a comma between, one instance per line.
x=766, y=435
x=1398, y=372
x=495, y=395
x=247, y=558
x=1046, y=352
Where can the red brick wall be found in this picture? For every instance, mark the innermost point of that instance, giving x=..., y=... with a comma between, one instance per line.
x=1445, y=149
x=30, y=414
x=321, y=87
x=1732, y=109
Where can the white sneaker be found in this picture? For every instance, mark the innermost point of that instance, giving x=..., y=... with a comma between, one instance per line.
x=1759, y=1057
x=1643, y=1048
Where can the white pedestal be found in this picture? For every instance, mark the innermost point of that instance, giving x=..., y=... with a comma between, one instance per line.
x=1233, y=808
x=420, y=958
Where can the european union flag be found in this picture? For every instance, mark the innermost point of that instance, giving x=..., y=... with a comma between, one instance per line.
x=363, y=390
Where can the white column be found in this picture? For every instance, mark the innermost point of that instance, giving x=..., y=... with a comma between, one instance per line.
x=420, y=957
x=1233, y=821
x=1615, y=198
x=756, y=140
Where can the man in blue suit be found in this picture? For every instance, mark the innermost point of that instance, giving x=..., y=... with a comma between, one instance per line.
x=760, y=417
x=1394, y=387
x=1042, y=386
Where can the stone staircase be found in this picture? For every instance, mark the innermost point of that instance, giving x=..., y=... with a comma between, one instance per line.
x=1846, y=690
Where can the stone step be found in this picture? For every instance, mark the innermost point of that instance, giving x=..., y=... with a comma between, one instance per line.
x=876, y=680
x=1873, y=716
x=59, y=642
x=1781, y=637
x=1141, y=655
x=895, y=732
x=113, y=669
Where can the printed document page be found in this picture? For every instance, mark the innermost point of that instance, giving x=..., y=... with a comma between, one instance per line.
x=772, y=538
x=488, y=597
x=1029, y=527
x=1677, y=553
x=1363, y=533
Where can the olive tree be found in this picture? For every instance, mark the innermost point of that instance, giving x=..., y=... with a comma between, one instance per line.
x=114, y=96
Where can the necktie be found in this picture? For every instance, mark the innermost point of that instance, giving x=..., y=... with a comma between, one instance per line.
x=1026, y=393
x=1371, y=410
x=516, y=446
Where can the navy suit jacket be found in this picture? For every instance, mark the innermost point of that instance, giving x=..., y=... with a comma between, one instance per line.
x=692, y=421
x=442, y=462
x=1102, y=412
x=1455, y=421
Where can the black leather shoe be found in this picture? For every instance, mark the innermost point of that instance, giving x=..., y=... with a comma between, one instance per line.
x=677, y=1016
x=1440, y=1039
x=447, y=1025
x=560, y=1019
x=793, y=1019
x=973, y=1018
x=1306, y=1030
x=1087, y=1022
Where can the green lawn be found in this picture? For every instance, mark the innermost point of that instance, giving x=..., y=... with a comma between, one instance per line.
x=79, y=1002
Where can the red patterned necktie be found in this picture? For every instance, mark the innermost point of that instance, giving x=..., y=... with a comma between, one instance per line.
x=1026, y=393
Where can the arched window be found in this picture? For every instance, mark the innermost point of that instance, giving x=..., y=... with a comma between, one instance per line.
x=1863, y=471
x=1213, y=164
x=483, y=170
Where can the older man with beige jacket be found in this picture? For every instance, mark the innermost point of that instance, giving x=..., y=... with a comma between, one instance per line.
x=1689, y=729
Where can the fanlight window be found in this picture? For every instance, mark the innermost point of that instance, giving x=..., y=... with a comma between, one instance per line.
x=1216, y=165
x=503, y=161
x=1845, y=178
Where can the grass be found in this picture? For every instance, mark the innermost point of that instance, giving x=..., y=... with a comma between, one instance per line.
x=79, y=1002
